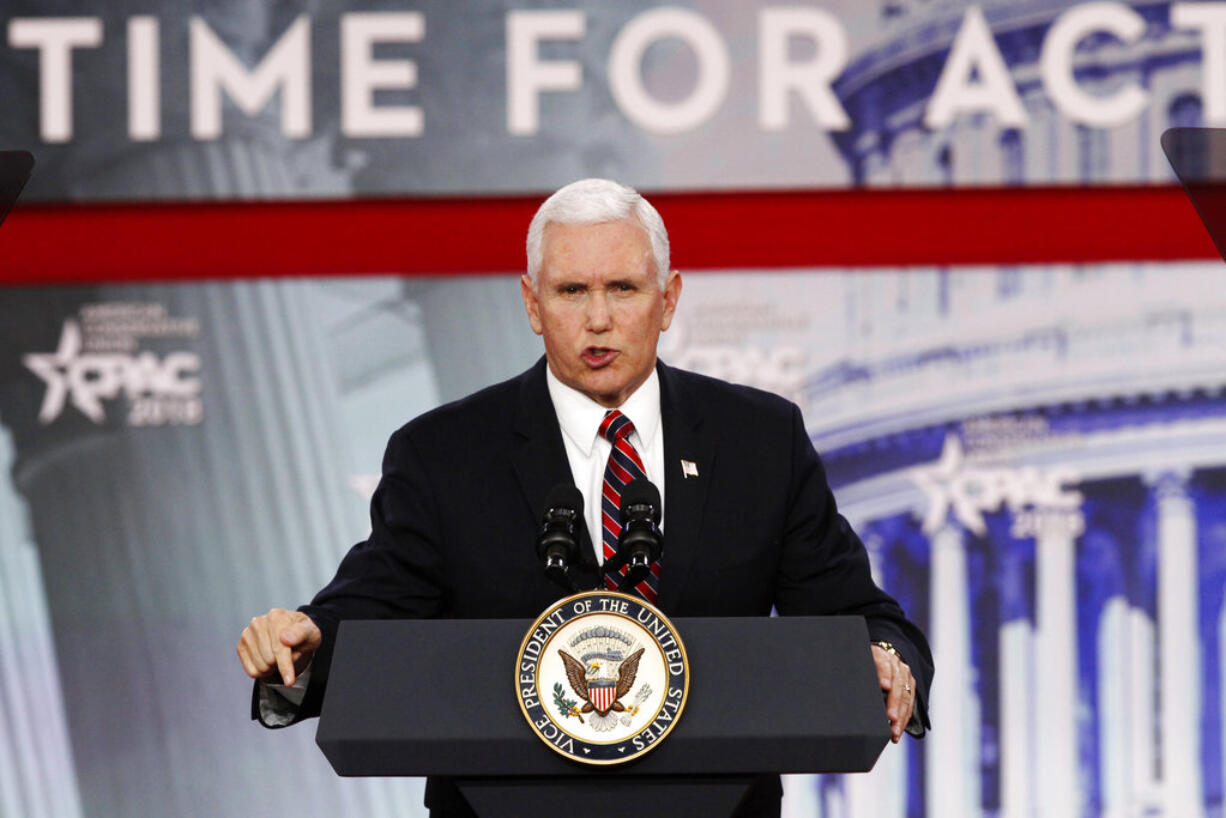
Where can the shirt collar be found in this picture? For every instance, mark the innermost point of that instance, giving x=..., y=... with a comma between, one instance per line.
x=580, y=416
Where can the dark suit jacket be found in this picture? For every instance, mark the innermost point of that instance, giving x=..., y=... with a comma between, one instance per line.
x=455, y=517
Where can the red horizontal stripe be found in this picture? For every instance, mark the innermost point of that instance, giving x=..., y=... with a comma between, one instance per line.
x=841, y=228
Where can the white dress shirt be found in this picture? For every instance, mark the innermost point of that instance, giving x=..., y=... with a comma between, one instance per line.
x=588, y=452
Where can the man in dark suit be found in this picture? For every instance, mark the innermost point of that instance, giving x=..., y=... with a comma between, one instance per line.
x=749, y=522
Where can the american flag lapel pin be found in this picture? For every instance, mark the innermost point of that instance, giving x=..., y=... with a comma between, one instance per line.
x=689, y=468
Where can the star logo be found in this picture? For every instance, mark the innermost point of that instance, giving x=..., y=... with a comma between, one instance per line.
x=951, y=485
x=55, y=369
x=941, y=487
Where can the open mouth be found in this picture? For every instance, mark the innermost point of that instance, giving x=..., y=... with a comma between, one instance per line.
x=597, y=357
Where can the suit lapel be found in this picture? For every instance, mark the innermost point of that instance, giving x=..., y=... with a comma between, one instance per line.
x=538, y=457
x=685, y=497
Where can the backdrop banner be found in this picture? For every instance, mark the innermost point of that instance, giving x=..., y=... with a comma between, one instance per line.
x=1034, y=457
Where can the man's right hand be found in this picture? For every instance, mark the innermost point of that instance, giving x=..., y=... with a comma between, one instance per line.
x=280, y=641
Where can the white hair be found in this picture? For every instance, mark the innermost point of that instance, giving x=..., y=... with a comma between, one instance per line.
x=597, y=201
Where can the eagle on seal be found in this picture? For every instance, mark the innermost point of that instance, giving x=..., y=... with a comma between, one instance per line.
x=591, y=685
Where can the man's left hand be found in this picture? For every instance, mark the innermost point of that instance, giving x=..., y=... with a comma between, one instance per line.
x=894, y=676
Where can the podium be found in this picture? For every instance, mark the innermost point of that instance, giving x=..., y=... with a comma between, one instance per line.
x=767, y=695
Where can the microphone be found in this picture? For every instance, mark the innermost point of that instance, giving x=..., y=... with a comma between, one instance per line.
x=557, y=544
x=640, y=542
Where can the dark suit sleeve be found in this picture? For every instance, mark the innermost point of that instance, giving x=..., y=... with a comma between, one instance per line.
x=396, y=573
x=824, y=569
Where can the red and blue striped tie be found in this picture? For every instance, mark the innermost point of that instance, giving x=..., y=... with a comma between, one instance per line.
x=624, y=465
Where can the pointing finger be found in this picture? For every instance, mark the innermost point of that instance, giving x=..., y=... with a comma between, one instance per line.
x=285, y=664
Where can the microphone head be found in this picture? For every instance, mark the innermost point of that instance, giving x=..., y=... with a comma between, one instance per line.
x=641, y=493
x=564, y=496
x=562, y=528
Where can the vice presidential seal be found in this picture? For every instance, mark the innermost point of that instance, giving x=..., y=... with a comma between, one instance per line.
x=602, y=677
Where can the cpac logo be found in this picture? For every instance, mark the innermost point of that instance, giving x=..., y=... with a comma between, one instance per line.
x=85, y=380
x=969, y=491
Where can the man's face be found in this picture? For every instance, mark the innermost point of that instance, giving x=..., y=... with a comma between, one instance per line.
x=599, y=307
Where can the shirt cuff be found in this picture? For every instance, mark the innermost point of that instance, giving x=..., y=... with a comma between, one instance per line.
x=279, y=703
